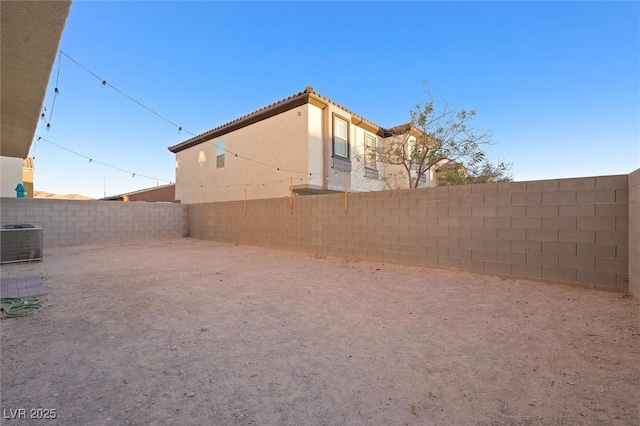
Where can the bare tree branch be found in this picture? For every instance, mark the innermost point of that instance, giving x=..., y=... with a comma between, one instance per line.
x=437, y=133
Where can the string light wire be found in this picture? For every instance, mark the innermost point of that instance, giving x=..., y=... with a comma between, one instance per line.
x=56, y=92
x=92, y=160
x=179, y=128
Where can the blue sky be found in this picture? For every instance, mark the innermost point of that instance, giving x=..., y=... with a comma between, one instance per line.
x=557, y=83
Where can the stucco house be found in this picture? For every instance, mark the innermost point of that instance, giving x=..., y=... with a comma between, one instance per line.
x=156, y=194
x=304, y=144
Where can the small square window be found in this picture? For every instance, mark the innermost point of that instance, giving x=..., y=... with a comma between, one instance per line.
x=220, y=150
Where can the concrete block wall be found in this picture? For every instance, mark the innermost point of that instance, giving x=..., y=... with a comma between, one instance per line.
x=66, y=222
x=634, y=234
x=567, y=231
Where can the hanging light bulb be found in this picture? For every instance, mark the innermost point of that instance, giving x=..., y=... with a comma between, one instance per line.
x=42, y=116
x=104, y=83
x=278, y=169
x=133, y=175
x=90, y=160
x=48, y=127
x=235, y=156
x=179, y=129
x=56, y=91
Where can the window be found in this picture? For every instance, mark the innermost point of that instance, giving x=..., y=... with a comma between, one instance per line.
x=340, y=137
x=220, y=154
x=369, y=151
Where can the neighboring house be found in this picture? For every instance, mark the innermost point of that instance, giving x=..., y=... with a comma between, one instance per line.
x=447, y=170
x=305, y=139
x=27, y=176
x=163, y=193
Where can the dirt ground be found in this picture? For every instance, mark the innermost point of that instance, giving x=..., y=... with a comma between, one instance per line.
x=195, y=332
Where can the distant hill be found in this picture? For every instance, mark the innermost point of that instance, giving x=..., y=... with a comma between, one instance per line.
x=45, y=194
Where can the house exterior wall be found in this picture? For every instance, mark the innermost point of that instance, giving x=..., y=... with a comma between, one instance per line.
x=356, y=179
x=360, y=180
x=316, y=145
x=280, y=141
x=304, y=137
x=68, y=222
x=634, y=234
x=11, y=173
x=27, y=181
x=566, y=231
x=165, y=193
x=396, y=176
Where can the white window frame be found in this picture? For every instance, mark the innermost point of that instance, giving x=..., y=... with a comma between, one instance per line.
x=368, y=162
x=339, y=139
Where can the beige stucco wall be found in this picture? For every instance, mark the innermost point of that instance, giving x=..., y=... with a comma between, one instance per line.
x=356, y=180
x=11, y=172
x=396, y=176
x=360, y=182
x=316, y=146
x=303, y=137
x=280, y=141
x=165, y=193
x=27, y=181
x=634, y=234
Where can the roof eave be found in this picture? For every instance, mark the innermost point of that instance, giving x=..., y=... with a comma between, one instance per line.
x=268, y=112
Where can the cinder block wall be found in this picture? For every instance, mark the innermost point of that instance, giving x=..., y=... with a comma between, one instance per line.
x=634, y=234
x=568, y=231
x=67, y=222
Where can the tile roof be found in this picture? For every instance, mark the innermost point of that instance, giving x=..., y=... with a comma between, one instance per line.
x=275, y=108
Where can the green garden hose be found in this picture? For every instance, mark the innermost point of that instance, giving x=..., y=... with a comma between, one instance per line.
x=16, y=308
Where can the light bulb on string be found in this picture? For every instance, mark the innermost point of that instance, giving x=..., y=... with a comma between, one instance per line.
x=56, y=91
x=48, y=127
x=179, y=129
x=104, y=83
x=133, y=175
x=90, y=160
x=235, y=156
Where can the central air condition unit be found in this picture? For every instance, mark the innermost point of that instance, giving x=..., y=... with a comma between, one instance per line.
x=20, y=243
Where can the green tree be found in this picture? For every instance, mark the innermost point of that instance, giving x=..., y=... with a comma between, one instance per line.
x=434, y=135
x=485, y=173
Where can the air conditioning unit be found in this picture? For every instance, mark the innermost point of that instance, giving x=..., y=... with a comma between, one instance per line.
x=20, y=243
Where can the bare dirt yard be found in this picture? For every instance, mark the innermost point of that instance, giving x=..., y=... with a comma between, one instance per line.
x=188, y=332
